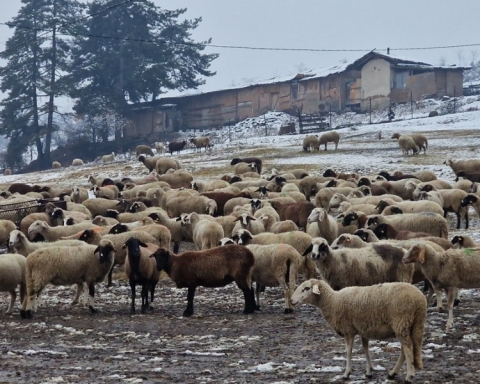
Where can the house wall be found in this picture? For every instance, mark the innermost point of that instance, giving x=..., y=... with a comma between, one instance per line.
x=449, y=83
x=376, y=82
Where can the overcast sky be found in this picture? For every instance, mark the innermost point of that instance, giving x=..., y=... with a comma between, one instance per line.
x=318, y=24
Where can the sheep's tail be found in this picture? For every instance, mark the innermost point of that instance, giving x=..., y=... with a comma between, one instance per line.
x=417, y=332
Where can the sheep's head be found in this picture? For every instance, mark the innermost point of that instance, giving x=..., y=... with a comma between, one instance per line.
x=319, y=249
x=185, y=219
x=350, y=218
x=381, y=231
x=342, y=241
x=329, y=173
x=162, y=257
x=394, y=210
x=279, y=180
x=396, y=136
x=211, y=207
x=133, y=247
x=225, y=241
x=242, y=237
x=36, y=227
x=155, y=217
x=15, y=239
x=255, y=204
x=363, y=234
x=245, y=219
x=106, y=251
x=263, y=192
x=253, y=167
x=193, y=185
x=87, y=236
x=135, y=207
x=306, y=292
x=372, y=222
x=142, y=158
x=118, y=228
x=415, y=254
x=264, y=218
x=90, y=179
x=113, y=213
x=469, y=199
x=364, y=181
x=335, y=201
x=69, y=221
x=317, y=214
x=385, y=174
x=57, y=214
x=457, y=241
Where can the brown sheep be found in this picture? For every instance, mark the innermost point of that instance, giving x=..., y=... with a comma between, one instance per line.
x=256, y=160
x=297, y=212
x=387, y=231
x=201, y=142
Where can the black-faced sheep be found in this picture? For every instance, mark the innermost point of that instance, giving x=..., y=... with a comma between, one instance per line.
x=387, y=231
x=428, y=222
x=176, y=146
x=248, y=160
x=378, y=312
x=464, y=241
x=215, y=267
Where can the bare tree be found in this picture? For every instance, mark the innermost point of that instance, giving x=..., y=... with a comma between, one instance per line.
x=460, y=56
x=442, y=61
x=301, y=67
x=473, y=56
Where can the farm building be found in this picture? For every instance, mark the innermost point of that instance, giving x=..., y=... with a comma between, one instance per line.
x=373, y=81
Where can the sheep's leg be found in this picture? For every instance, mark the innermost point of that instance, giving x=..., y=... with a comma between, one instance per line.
x=13, y=296
x=152, y=292
x=258, y=289
x=249, y=296
x=367, y=357
x=391, y=375
x=456, y=302
x=438, y=294
x=77, y=295
x=190, y=295
x=132, y=287
x=407, y=346
x=144, y=298
x=349, y=347
x=466, y=217
x=91, y=295
x=109, y=281
x=176, y=247
x=451, y=295
x=458, y=219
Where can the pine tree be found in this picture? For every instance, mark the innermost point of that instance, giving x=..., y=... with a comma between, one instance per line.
x=144, y=51
x=35, y=56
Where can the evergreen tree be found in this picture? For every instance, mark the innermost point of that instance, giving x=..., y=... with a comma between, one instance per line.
x=145, y=51
x=35, y=56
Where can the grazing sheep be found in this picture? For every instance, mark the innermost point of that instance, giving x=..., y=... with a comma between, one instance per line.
x=66, y=266
x=108, y=158
x=141, y=269
x=77, y=162
x=176, y=146
x=378, y=312
x=387, y=231
x=201, y=142
x=406, y=144
x=464, y=241
x=449, y=270
x=99, y=206
x=55, y=233
x=12, y=274
x=163, y=165
x=240, y=168
x=276, y=265
x=329, y=137
x=200, y=204
x=7, y=172
x=469, y=166
x=56, y=165
x=420, y=140
x=143, y=150
x=374, y=264
x=321, y=224
x=411, y=206
x=310, y=143
x=256, y=160
x=205, y=233
x=159, y=147
x=215, y=267
x=149, y=162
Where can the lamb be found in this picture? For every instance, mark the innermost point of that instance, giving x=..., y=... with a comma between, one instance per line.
x=149, y=162
x=66, y=266
x=297, y=212
x=450, y=270
x=143, y=150
x=406, y=144
x=387, y=231
x=240, y=168
x=163, y=165
x=56, y=165
x=176, y=146
x=329, y=137
x=378, y=312
x=428, y=222
x=276, y=265
x=375, y=264
x=256, y=160
x=55, y=233
x=249, y=223
x=108, y=158
x=12, y=274
x=205, y=233
x=469, y=166
x=321, y=224
x=420, y=140
x=200, y=204
x=159, y=147
x=464, y=241
x=215, y=267
x=310, y=143
x=141, y=269
x=201, y=142
x=77, y=162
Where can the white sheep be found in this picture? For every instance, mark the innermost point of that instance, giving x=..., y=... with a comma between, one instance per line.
x=12, y=274
x=246, y=221
x=55, y=233
x=378, y=312
x=321, y=224
x=108, y=158
x=77, y=162
x=159, y=147
x=206, y=234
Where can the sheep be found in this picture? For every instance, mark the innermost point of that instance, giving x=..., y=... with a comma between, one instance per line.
x=176, y=146
x=469, y=166
x=406, y=144
x=163, y=165
x=215, y=267
x=464, y=241
x=235, y=201
x=7, y=172
x=449, y=270
x=387, y=231
x=256, y=160
x=59, y=215
x=464, y=185
x=347, y=207
x=274, y=226
x=378, y=312
x=66, y=266
x=264, y=192
x=374, y=264
x=344, y=176
x=221, y=198
x=201, y=142
x=179, y=179
x=141, y=269
x=79, y=195
x=321, y=224
x=132, y=190
x=202, y=186
x=200, y=204
x=472, y=200
x=32, y=217
x=108, y=158
x=240, y=168
x=428, y=222
x=276, y=265
x=412, y=206
x=178, y=232
x=128, y=217
x=12, y=274
x=420, y=140
x=143, y=150
x=159, y=147
x=297, y=212
x=472, y=176
x=56, y=165
x=337, y=198
x=205, y=233
x=250, y=223
x=109, y=192
x=55, y=233
x=310, y=143
x=77, y=162
x=149, y=162
x=324, y=195
x=329, y=137
x=99, y=206
x=6, y=227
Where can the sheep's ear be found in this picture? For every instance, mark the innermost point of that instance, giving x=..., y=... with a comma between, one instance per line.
x=421, y=255
x=251, y=217
x=178, y=219
x=238, y=218
x=308, y=250
x=124, y=245
x=315, y=290
x=142, y=244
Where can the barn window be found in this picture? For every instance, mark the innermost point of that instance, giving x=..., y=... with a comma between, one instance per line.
x=400, y=79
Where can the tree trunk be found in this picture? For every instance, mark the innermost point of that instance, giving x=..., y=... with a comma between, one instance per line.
x=36, y=126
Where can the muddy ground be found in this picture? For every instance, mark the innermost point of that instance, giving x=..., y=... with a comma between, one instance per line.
x=219, y=344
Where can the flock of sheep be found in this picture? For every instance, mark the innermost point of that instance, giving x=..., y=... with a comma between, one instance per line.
x=358, y=241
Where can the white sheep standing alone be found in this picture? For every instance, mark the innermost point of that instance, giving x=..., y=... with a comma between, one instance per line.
x=108, y=158
x=376, y=312
x=159, y=147
x=12, y=274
